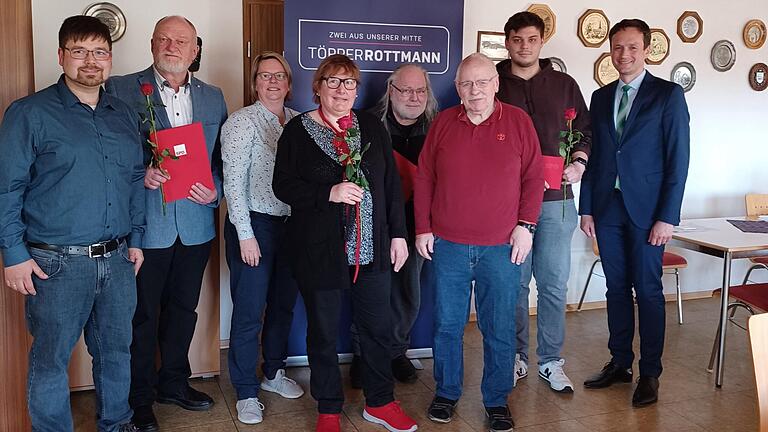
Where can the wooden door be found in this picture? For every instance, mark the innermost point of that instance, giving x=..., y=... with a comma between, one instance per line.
x=16, y=70
x=262, y=31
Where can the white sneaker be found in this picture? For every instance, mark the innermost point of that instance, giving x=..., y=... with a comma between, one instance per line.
x=282, y=385
x=553, y=372
x=521, y=369
x=249, y=411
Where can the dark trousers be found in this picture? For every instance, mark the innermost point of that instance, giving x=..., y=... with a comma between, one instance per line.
x=630, y=261
x=168, y=287
x=371, y=316
x=268, y=285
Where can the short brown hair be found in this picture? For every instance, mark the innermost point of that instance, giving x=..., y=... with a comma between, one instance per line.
x=331, y=65
x=81, y=27
x=522, y=20
x=266, y=55
x=634, y=23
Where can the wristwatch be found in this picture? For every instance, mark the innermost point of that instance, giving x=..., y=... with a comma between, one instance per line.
x=529, y=226
x=580, y=160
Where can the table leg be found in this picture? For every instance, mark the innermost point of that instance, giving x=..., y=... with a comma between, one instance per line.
x=723, y=319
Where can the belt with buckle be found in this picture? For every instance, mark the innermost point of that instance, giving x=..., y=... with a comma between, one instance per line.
x=95, y=250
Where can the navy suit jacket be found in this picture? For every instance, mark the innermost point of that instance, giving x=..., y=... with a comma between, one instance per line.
x=192, y=223
x=651, y=158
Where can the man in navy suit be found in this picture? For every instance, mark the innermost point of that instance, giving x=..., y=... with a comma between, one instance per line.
x=631, y=196
x=178, y=240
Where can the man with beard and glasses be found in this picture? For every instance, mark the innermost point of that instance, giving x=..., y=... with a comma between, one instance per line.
x=71, y=227
x=178, y=240
x=531, y=84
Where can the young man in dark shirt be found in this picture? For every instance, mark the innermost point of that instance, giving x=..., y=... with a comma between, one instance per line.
x=531, y=84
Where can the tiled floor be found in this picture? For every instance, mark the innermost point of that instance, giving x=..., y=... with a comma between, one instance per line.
x=688, y=400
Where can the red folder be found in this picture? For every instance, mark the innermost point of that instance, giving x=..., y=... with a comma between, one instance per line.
x=407, y=172
x=553, y=171
x=192, y=166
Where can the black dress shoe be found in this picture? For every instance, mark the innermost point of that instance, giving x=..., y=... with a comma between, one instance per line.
x=403, y=370
x=356, y=373
x=611, y=373
x=144, y=419
x=647, y=391
x=187, y=398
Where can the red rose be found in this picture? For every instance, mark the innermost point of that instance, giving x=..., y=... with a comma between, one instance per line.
x=147, y=89
x=345, y=122
x=570, y=113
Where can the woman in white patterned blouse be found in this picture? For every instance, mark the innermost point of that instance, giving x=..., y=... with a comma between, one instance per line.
x=254, y=234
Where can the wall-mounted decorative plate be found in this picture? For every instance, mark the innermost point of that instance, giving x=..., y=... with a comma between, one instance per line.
x=683, y=74
x=110, y=15
x=723, y=55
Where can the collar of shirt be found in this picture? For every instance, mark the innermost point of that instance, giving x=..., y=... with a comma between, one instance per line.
x=631, y=93
x=69, y=99
x=163, y=84
x=498, y=111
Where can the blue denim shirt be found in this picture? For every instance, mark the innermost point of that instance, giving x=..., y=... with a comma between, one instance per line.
x=69, y=174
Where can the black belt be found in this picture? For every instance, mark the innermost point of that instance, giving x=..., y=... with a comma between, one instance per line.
x=95, y=250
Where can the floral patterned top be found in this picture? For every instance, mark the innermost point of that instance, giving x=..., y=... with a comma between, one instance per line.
x=248, y=146
x=323, y=137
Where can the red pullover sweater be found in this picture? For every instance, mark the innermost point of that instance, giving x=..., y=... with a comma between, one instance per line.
x=475, y=182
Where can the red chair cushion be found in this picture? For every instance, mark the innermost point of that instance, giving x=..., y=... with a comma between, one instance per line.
x=671, y=259
x=760, y=260
x=753, y=294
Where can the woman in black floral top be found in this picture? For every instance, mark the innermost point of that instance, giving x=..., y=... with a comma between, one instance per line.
x=343, y=236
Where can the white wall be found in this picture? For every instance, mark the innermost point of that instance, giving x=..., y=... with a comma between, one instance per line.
x=728, y=144
x=727, y=117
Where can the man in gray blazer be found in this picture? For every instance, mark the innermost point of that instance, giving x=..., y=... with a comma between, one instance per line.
x=178, y=241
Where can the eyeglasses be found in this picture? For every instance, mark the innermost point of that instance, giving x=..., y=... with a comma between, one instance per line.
x=481, y=83
x=267, y=76
x=420, y=92
x=82, y=53
x=334, y=82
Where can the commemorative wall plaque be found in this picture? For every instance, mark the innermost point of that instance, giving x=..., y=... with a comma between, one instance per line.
x=723, y=55
x=754, y=34
x=690, y=26
x=758, y=77
x=593, y=28
x=110, y=15
x=659, y=47
x=683, y=74
x=605, y=72
x=558, y=64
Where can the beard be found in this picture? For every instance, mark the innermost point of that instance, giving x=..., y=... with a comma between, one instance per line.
x=171, y=66
x=407, y=113
x=90, y=79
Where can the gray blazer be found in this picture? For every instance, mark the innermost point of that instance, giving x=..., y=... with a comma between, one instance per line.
x=190, y=222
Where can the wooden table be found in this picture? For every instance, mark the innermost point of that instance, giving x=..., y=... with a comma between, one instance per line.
x=717, y=237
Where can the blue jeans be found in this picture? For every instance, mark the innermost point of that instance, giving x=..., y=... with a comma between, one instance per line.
x=97, y=295
x=268, y=285
x=550, y=263
x=456, y=266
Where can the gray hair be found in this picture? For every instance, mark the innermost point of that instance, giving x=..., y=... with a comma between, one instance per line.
x=382, y=107
x=174, y=17
x=475, y=58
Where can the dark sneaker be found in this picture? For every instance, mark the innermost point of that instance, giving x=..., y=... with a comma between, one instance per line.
x=441, y=409
x=499, y=419
x=403, y=370
x=356, y=373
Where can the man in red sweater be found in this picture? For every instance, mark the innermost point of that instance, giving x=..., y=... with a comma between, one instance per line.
x=478, y=193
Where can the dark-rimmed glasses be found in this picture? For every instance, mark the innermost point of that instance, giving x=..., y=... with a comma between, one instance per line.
x=420, y=92
x=334, y=82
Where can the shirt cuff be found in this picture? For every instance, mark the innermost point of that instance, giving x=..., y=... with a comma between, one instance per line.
x=15, y=255
x=135, y=240
x=244, y=231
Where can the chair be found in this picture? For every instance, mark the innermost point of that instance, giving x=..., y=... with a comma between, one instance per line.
x=671, y=264
x=758, y=339
x=757, y=205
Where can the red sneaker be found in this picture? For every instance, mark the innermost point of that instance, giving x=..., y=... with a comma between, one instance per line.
x=391, y=416
x=328, y=423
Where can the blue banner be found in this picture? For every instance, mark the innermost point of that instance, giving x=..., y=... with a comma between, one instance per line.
x=378, y=36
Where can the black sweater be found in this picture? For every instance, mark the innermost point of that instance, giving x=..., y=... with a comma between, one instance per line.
x=303, y=178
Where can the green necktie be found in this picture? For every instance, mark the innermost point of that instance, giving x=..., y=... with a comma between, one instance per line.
x=621, y=115
x=621, y=118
